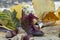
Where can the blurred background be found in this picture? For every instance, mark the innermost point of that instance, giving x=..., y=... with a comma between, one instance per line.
x=9, y=3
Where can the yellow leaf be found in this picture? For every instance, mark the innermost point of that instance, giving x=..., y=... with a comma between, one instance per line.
x=18, y=9
x=42, y=6
x=58, y=13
